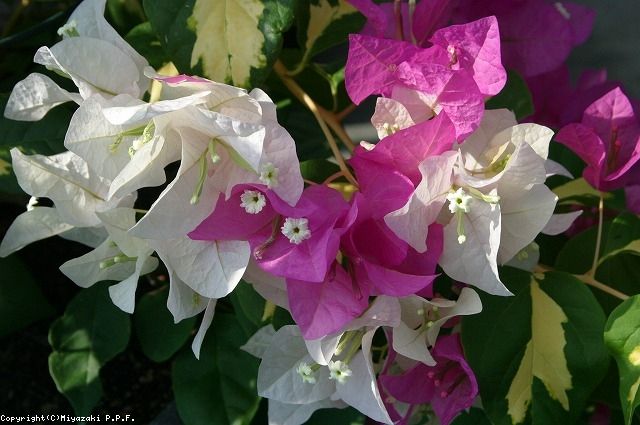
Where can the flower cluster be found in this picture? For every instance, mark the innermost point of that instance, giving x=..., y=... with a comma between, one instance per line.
x=449, y=187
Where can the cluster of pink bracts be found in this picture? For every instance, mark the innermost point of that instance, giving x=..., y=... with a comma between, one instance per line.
x=449, y=184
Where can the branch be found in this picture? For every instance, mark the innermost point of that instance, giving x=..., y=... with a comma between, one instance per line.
x=301, y=95
x=588, y=280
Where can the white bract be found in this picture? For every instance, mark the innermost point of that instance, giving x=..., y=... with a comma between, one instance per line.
x=296, y=386
x=120, y=257
x=339, y=363
x=422, y=320
x=92, y=54
x=221, y=135
x=498, y=202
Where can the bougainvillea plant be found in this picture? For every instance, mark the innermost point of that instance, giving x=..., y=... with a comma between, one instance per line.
x=474, y=262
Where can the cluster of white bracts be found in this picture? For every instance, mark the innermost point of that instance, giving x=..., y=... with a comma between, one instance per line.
x=118, y=144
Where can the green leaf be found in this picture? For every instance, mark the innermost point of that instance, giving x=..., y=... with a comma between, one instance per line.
x=21, y=301
x=303, y=127
x=622, y=337
x=125, y=14
x=220, y=388
x=623, y=237
x=281, y=317
x=90, y=333
x=474, y=416
x=146, y=42
x=325, y=23
x=514, y=96
x=159, y=337
x=347, y=416
x=620, y=271
x=318, y=170
x=248, y=306
x=169, y=20
x=232, y=41
x=45, y=137
x=539, y=354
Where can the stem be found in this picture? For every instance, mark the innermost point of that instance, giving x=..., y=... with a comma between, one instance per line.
x=354, y=347
x=309, y=182
x=332, y=177
x=397, y=12
x=269, y=310
x=13, y=19
x=589, y=280
x=301, y=66
x=596, y=254
x=346, y=111
x=311, y=105
x=338, y=129
x=412, y=9
x=329, y=117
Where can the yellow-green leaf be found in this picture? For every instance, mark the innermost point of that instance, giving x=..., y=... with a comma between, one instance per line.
x=228, y=40
x=544, y=357
x=323, y=24
x=322, y=15
x=622, y=336
x=538, y=355
x=577, y=187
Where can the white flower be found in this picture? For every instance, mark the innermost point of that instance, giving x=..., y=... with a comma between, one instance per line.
x=269, y=175
x=339, y=371
x=459, y=201
x=306, y=373
x=296, y=229
x=422, y=320
x=70, y=29
x=252, y=201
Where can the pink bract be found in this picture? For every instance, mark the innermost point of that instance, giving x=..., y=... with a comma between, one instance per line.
x=320, y=309
x=325, y=210
x=608, y=140
x=450, y=386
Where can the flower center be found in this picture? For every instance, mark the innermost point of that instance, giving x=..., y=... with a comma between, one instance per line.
x=269, y=175
x=296, y=230
x=70, y=29
x=339, y=371
x=252, y=201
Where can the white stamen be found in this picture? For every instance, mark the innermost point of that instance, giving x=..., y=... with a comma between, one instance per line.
x=306, y=373
x=146, y=137
x=296, y=229
x=339, y=371
x=33, y=202
x=269, y=175
x=462, y=239
x=252, y=201
x=459, y=201
x=390, y=128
